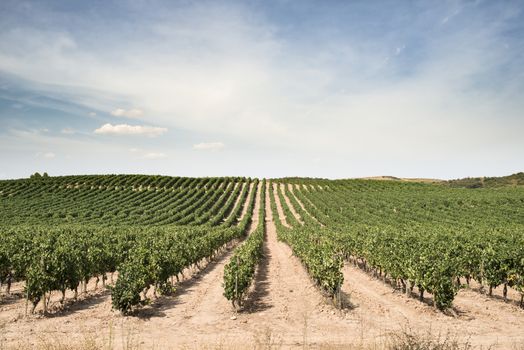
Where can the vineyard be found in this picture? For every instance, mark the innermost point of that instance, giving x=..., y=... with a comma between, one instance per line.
x=241, y=249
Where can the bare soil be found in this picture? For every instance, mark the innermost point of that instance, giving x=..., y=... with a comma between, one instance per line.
x=292, y=191
x=246, y=204
x=237, y=200
x=290, y=205
x=279, y=206
x=480, y=320
x=284, y=309
x=393, y=178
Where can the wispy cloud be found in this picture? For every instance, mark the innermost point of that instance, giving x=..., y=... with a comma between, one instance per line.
x=130, y=113
x=450, y=16
x=125, y=129
x=142, y=154
x=396, y=83
x=208, y=146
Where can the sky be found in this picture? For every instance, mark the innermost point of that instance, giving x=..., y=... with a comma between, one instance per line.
x=331, y=89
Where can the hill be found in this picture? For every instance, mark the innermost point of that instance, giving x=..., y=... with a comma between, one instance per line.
x=488, y=182
x=195, y=262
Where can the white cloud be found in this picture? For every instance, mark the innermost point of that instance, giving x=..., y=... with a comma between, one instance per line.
x=125, y=129
x=130, y=113
x=208, y=146
x=235, y=78
x=142, y=154
x=92, y=114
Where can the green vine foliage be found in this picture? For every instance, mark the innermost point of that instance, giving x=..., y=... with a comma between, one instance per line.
x=420, y=235
x=311, y=245
x=240, y=271
x=60, y=232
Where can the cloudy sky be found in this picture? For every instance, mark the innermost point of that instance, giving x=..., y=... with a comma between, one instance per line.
x=262, y=88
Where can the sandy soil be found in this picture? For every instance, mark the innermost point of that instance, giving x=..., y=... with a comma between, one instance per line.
x=290, y=205
x=237, y=200
x=480, y=320
x=279, y=206
x=292, y=191
x=283, y=309
x=393, y=178
x=246, y=204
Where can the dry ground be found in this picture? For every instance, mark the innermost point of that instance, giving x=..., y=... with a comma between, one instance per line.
x=283, y=310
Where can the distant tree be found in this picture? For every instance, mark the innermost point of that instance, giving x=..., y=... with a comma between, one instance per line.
x=45, y=175
x=36, y=176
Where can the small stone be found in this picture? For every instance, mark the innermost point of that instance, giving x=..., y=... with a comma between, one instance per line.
x=233, y=318
x=291, y=291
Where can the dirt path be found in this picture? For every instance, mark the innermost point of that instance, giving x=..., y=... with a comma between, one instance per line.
x=284, y=309
x=279, y=206
x=292, y=191
x=201, y=309
x=245, y=205
x=307, y=189
x=381, y=310
x=198, y=303
x=210, y=306
x=290, y=205
x=285, y=303
x=513, y=295
x=237, y=202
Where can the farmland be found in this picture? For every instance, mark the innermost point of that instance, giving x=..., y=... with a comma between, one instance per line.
x=161, y=261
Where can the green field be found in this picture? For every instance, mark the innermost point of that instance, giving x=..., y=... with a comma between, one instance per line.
x=57, y=233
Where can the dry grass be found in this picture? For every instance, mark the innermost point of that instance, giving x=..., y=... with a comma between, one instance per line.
x=409, y=340
x=518, y=346
x=264, y=339
x=2, y=345
x=130, y=340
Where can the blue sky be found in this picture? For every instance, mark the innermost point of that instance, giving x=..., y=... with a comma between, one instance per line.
x=330, y=89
